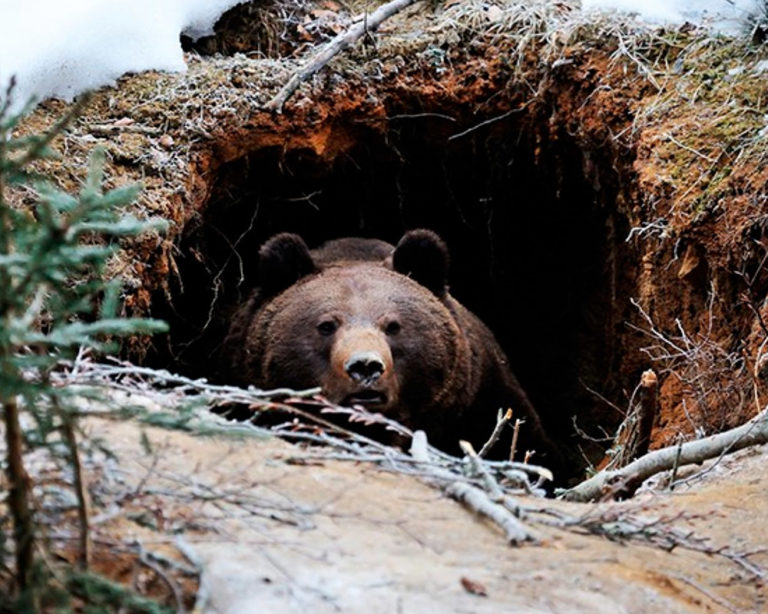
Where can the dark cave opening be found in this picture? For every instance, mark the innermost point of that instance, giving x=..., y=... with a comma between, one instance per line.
x=536, y=244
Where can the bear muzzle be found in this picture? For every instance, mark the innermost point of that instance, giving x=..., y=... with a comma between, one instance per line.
x=362, y=369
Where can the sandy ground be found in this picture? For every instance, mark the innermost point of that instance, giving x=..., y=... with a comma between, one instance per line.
x=276, y=531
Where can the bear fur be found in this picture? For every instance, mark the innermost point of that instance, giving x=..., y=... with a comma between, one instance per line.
x=374, y=325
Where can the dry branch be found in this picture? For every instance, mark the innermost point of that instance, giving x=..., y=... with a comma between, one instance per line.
x=479, y=484
x=338, y=44
x=623, y=482
x=81, y=492
x=517, y=533
x=501, y=421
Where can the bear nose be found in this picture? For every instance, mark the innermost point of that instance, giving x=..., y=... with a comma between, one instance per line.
x=364, y=367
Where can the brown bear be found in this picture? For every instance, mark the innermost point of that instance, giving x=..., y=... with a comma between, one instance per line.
x=374, y=325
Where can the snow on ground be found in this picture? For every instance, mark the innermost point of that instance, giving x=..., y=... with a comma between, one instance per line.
x=725, y=16
x=60, y=49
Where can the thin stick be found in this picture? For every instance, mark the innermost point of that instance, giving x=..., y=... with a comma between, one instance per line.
x=649, y=385
x=515, y=435
x=501, y=421
x=633, y=436
x=338, y=44
x=709, y=594
x=81, y=491
x=490, y=483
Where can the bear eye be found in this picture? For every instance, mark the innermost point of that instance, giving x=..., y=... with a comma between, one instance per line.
x=327, y=327
x=392, y=328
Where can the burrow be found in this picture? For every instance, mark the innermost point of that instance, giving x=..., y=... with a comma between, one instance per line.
x=533, y=218
x=532, y=176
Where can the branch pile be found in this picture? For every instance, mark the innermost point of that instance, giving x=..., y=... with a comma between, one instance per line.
x=509, y=494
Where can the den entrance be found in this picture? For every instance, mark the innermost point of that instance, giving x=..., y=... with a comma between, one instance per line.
x=537, y=247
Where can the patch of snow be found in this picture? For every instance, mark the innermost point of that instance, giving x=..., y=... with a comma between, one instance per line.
x=201, y=15
x=60, y=49
x=724, y=16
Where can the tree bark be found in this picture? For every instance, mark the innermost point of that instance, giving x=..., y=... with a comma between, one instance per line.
x=18, y=494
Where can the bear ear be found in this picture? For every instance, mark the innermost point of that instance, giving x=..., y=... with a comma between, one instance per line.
x=283, y=260
x=423, y=256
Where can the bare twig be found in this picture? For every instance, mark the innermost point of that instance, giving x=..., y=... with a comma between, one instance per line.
x=649, y=386
x=81, y=491
x=501, y=421
x=169, y=582
x=515, y=436
x=338, y=44
x=491, y=485
x=488, y=122
x=709, y=594
x=713, y=378
x=618, y=524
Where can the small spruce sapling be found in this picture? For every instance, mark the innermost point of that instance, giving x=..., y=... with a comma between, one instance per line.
x=54, y=300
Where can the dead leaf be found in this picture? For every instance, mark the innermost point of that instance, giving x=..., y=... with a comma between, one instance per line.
x=474, y=587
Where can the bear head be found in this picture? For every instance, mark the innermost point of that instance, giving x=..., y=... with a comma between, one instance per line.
x=370, y=324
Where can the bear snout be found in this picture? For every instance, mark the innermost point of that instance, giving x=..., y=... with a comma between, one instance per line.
x=365, y=367
x=361, y=369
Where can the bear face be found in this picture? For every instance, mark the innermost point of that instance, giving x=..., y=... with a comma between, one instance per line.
x=364, y=337
x=374, y=325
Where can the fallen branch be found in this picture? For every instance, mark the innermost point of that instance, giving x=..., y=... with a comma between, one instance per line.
x=625, y=481
x=338, y=44
x=491, y=485
x=477, y=500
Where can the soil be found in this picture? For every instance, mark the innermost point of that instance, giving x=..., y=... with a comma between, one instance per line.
x=602, y=187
